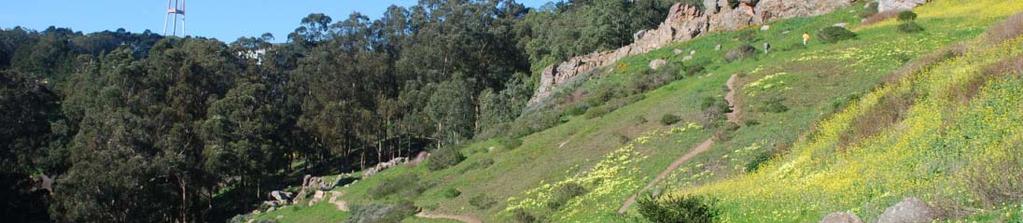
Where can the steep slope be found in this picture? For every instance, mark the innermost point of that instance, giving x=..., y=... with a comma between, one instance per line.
x=944, y=129
x=585, y=168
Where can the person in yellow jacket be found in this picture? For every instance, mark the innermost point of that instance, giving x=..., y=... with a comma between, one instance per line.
x=806, y=38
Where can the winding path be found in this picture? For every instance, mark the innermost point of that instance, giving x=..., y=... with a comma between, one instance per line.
x=733, y=117
x=461, y=218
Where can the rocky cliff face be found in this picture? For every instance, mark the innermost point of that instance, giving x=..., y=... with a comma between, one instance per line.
x=684, y=22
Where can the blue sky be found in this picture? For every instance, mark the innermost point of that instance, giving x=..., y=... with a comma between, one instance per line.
x=225, y=20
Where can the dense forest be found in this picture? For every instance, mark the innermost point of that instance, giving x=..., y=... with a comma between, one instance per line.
x=137, y=127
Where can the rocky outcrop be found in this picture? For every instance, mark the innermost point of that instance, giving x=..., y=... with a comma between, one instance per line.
x=898, y=5
x=909, y=210
x=684, y=22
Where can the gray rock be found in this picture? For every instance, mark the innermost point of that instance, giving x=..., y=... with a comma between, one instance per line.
x=654, y=64
x=909, y=210
x=841, y=217
x=676, y=51
x=765, y=27
x=841, y=24
x=898, y=5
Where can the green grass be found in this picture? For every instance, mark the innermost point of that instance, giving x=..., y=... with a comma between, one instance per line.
x=614, y=155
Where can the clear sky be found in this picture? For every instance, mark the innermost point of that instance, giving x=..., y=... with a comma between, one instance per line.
x=225, y=20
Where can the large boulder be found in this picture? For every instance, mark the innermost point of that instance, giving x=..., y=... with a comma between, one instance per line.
x=909, y=210
x=841, y=217
x=898, y=5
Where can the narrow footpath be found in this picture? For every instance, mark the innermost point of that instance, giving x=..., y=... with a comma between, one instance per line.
x=733, y=117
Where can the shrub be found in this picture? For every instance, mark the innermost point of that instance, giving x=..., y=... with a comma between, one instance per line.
x=523, y=216
x=482, y=201
x=910, y=27
x=407, y=184
x=673, y=208
x=652, y=79
x=445, y=157
x=773, y=105
x=577, y=109
x=906, y=16
x=726, y=133
x=450, y=193
x=381, y=213
x=758, y=160
x=741, y=52
x=834, y=34
x=670, y=119
x=714, y=110
x=750, y=122
x=1009, y=29
x=509, y=143
x=565, y=193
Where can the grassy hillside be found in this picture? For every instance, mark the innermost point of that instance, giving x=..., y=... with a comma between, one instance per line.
x=583, y=169
x=944, y=129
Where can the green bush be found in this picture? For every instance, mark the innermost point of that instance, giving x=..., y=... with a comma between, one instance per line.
x=482, y=201
x=450, y=193
x=444, y=158
x=714, y=110
x=910, y=27
x=523, y=216
x=380, y=213
x=758, y=160
x=906, y=16
x=509, y=143
x=565, y=193
x=407, y=184
x=773, y=105
x=833, y=34
x=673, y=208
x=577, y=109
x=670, y=119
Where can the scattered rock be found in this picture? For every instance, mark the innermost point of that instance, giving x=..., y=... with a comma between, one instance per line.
x=280, y=196
x=687, y=58
x=898, y=5
x=841, y=24
x=841, y=217
x=677, y=51
x=383, y=166
x=654, y=64
x=909, y=210
x=717, y=48
x=765, y=27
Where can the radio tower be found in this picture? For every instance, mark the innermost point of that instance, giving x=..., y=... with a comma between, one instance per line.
x=174, y=8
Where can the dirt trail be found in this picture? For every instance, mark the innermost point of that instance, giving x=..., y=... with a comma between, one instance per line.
x=733, y=117
x=703, y=147
x=461, y=218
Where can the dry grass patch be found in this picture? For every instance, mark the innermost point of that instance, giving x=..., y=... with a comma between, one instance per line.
x=1009, y=29
x=891, y=109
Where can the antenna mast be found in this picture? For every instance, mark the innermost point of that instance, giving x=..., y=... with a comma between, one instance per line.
x=174, y=8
